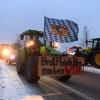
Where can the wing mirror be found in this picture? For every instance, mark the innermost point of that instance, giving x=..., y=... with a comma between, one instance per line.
x=21, y=36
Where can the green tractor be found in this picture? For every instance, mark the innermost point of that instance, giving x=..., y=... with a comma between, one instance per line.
x=27, y=56
x=32, y=64
x=93, y=54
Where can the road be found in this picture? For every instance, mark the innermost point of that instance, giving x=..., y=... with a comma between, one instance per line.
x=15, y=87
x=87, y=84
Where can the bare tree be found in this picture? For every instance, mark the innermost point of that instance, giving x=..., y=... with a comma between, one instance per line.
x=17, y=43
x=85, y=37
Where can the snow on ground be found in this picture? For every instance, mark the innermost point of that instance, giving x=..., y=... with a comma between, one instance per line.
x=92, y=69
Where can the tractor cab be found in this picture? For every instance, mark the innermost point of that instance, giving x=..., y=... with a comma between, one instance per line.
x=96, y=43
x=30, y=37
x=32, y=40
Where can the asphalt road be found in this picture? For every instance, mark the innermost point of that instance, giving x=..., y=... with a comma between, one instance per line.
x=87, y=84
x=15, y=87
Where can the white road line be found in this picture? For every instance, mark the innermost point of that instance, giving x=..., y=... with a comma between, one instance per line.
x=51, y=94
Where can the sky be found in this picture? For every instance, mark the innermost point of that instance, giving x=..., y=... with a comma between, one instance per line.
x=17, y=16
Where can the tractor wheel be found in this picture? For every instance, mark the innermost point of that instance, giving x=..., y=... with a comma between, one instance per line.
x=96, y=59
x=64, y=78
x=31, y=69
x=19, y=65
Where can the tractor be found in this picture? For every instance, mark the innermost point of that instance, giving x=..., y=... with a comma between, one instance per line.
x=91, y=54
x=32, y=64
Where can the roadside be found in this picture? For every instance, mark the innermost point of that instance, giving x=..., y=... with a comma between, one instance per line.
x=92, y=69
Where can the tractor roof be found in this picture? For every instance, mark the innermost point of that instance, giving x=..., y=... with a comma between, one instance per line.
x=96, y=39
x=33, y=32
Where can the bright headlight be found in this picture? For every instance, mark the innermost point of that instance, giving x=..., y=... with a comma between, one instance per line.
x=6, y=52
x=56, y=44
x=29, y=43
x=12, y=57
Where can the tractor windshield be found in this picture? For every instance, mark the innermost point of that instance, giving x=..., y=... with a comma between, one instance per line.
x=41, y=40
x=96, y=43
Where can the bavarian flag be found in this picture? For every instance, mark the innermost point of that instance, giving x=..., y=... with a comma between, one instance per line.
x=60, y=30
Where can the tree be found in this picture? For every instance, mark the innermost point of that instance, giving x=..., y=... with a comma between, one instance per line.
x=85, y=37
x=17, y=43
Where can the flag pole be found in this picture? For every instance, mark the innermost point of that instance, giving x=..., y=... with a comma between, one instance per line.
x=44, y=31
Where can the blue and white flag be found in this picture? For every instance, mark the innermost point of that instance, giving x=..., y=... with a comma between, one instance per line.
x=60, y=30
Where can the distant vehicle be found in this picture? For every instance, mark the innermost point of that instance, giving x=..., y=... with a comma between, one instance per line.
x=91, y=54
x=9, y=54
x=11, y=59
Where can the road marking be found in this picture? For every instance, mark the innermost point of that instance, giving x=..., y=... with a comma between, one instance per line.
x=49, y=87
x=71, y=89
x=56, y=92
x=52, y=94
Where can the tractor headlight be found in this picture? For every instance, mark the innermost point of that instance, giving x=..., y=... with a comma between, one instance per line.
x=27, y=44
x=30, y=43
x=56, y=44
